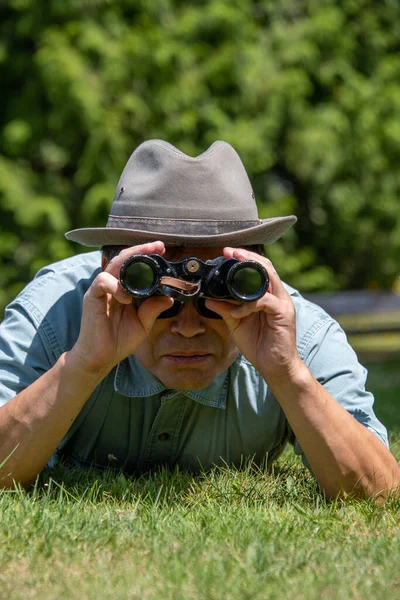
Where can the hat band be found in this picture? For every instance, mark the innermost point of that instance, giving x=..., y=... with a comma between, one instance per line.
x=180, y=226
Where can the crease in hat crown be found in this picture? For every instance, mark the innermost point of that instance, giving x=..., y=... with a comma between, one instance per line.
x=165, y=194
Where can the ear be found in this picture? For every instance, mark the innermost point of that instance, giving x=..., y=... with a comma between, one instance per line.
x=104, y=263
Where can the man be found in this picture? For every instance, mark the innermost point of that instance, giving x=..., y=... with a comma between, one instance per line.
x=89, y=376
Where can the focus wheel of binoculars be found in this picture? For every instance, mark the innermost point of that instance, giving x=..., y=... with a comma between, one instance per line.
x=142, y=276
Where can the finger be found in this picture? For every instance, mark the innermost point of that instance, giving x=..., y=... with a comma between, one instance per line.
x=151, y=308
x=276, y=286
x=114, y=265
x=223, y=309
x=268, y=303
x=104, y=284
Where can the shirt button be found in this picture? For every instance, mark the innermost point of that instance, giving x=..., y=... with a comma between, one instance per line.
x=163, y=437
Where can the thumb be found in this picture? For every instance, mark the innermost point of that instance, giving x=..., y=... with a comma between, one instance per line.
x=151, y=308
x=224, y=309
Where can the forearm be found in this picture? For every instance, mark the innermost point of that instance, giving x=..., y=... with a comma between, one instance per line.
x=34, y=422
x=343, y=454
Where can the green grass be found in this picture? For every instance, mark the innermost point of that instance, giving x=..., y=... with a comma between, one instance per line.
x=228, y=534
x=384, y=382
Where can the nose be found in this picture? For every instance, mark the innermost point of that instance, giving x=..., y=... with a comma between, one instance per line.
x=188, y=322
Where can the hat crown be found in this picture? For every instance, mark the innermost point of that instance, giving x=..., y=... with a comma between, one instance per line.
x=160, y=181
x=164, y=194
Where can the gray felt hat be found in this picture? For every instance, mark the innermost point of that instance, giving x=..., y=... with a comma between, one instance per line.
x=163, y=194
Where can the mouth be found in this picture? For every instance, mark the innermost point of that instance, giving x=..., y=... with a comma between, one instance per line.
x=188, y=358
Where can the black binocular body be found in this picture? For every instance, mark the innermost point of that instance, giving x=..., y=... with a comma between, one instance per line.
x=145, y=275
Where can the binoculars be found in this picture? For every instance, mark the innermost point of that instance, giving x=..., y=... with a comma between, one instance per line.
x=192, y=280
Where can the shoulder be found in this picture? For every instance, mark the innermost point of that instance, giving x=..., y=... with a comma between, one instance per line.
x=312, y=321
x=305, y=310
x=51, y=304
x=43, y=321
x=71, y=270
x=320, y=338
x=65, y=281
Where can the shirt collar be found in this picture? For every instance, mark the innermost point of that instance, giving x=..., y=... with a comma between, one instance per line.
x=133, y=380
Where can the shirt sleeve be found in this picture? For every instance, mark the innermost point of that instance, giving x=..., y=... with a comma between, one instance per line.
x=25, y=350
x=334, y=364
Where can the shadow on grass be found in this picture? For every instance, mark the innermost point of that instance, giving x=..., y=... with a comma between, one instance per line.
x=284, y=481
x=287, y=483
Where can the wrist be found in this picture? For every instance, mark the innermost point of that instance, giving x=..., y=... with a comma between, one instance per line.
x=85, y=368
x=294, y=376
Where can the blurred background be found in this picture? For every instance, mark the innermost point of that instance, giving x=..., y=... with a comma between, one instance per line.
x=308, y=93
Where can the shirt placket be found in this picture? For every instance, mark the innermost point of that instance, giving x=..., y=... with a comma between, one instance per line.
x=162, y=443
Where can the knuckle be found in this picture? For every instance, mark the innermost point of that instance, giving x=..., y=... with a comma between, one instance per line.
x=102, y=283
x=101, y=279
x=270, y=267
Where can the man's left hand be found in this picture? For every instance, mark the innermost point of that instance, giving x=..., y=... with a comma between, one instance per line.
x=265, y=330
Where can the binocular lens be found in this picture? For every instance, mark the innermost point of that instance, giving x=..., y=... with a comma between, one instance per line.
x=140, y=277
x=247, y=283
x=145, y=275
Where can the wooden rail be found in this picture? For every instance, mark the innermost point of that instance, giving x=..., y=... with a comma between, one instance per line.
x=371, y=321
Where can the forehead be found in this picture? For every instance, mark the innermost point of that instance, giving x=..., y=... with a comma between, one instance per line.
x=175, y=254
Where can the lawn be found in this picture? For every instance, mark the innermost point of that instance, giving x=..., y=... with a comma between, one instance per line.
x=228, y=534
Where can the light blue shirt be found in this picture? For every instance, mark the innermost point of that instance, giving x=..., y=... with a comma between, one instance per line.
x=131, y=421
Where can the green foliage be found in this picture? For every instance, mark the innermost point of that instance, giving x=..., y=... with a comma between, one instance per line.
x=308, y=93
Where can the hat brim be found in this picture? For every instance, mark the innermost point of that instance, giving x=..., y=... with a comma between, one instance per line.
x=267, y=232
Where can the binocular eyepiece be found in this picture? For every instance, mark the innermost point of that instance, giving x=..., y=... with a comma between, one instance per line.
x=145, y=275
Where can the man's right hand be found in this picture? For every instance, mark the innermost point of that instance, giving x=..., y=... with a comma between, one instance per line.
x=112, y=327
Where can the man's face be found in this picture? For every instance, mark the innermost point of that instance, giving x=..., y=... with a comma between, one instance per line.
x=188, y=351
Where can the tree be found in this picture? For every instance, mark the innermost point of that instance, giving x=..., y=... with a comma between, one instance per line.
x=307, y=92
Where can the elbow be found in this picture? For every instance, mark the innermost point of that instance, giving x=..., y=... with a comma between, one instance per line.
x=381, y=485
x=10, y=479
x=11, y=483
